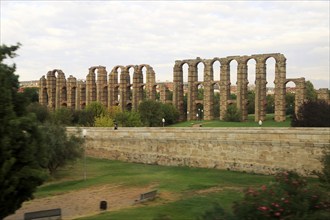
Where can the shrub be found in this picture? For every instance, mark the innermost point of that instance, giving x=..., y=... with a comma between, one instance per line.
x=62, y=116
x=97, y=109
x=83, y=117
x=61, y=148
x=288, y=198
x=103, y=121
x=39, y=110
x=324, y=175
x=151, y=113
x=128, y=119
x=171, y=114
x=232, y=114
x=312, y=114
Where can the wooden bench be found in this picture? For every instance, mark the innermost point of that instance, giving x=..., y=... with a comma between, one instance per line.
x=43, y=214
x=147, y=196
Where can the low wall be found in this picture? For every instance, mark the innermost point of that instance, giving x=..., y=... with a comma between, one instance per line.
x=259, y=150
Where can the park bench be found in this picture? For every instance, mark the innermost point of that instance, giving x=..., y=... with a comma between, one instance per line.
x=43, y=214
x=147, y=196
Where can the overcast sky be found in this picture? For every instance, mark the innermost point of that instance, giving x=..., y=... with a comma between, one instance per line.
x=75, y=35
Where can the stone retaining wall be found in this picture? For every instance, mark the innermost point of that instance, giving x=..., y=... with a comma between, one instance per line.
x=259, y=150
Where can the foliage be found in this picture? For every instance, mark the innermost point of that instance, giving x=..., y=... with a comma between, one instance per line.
x=312, y=114
x=83, y=117
x=270, y=104
x=40, y=111
x=151, y=113
x=128, y=119
x=171, y=114
x=200, y=94
x=232, y=114
x=22, y=147
x=216, y=213
x=97, y=109
x=61, y=148
x=113, y=111
x=103, y=121
x=216, y=106
x=31, y=94
x=324, y=175
x=251, y=102
x=290, y=105
x=311, y=93
x=62, y=116
x=288, y=198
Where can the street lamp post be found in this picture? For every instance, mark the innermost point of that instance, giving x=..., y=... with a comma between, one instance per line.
x=163, y=120
x=84, y=133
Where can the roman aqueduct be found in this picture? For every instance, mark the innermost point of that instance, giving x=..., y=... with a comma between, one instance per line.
x=127, y=86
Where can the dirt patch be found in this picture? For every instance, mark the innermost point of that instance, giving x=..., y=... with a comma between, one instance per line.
x=85, y=202
x=218, y=189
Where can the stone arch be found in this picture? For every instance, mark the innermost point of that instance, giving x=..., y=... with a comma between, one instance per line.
x=260, y=86
x=114, y=85
x=71, y=92
x=101, y=84
x=60, y=88
x=300, y=92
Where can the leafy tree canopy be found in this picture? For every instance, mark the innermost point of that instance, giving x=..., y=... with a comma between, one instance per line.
x=312, y=114
x=151, y=113
x=22, y=146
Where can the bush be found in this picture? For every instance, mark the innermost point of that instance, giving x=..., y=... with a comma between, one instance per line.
x=312, y=114
x=171, y=114
x=83, y=117
x=232, y=114
x=62, y=116
x=39, y=110
x=61, y=148
x=151, y=113
x=288, y=198
x=324, y=175
x=97, y=109
x=128, y=119
x=103, y=121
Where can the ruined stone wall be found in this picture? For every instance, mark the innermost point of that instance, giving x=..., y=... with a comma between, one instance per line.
x=259, y=150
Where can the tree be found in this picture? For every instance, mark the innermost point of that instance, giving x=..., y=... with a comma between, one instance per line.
x=40, y=111
x=151, y=113
x=83, y=117
x=311, y=94
x=251, y=102
x=312, y=114
x=61, y=148
x=103, y=121
x=232, y=114
x=31, y=93
x=171, y=114
x=216, y=106
x=270, y=104
x=62, y=116
x=97, y=109
x=22, y=145
x=128, y=119
x=289, y=100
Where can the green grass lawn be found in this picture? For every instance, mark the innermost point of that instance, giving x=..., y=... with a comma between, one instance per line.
x=269, y=122
x=183, y=181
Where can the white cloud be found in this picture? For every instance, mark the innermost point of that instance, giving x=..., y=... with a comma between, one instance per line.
x=74, y=35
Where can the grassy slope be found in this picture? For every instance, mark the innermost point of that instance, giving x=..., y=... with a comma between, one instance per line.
x=269, y=122
x=183, y=181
